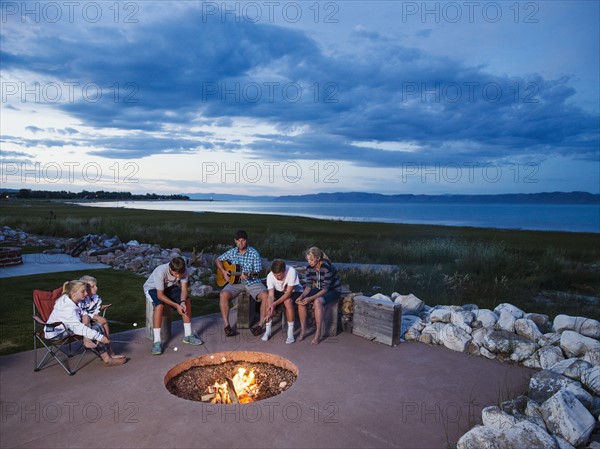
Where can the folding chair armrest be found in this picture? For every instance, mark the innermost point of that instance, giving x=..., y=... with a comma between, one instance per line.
x=43, y=323
x=103, y=308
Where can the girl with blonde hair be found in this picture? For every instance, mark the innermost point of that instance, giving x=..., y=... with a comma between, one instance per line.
x=67, y=312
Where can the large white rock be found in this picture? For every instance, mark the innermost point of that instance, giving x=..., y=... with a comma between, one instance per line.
x=522, y=435
x=584, y=326
x=513, y=310
x=550, y=338
x=506, y=322
x=412, y=334
x=591, y=379
x=462, y=317
x=549, y=356
x=532, y=362
x=528, y=329
x=484, y=352
x=480, y=437
x=411, y=305
x=527, y=435
x=574, y=344
x=480, y=334
x=493, y=416
x=407, y=322
x=544, y=384
x=542, y=321
x=533, y=412
x=433, y=330
x=487, y=317
x=595, y=408
x=571, y=368
x=523, y=350
x=568, y=418
x=592, y=357
x=563, y=444
x=504, y=342
x=455, y=338
x=440, y=316
x=382, y=297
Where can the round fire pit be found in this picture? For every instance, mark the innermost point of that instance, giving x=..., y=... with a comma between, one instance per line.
x=10, y=256
x=231, y=377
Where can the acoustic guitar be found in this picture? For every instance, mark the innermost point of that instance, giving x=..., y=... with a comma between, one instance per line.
x=235, y=271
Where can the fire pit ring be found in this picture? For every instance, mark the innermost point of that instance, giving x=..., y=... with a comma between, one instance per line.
x=193, y=379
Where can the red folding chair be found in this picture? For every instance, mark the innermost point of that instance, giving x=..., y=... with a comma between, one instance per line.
x=43, y=303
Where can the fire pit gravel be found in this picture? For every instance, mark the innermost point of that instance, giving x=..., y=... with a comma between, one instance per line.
x=195, y=378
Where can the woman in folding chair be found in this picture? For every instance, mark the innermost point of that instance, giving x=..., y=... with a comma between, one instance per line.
x=67, y=311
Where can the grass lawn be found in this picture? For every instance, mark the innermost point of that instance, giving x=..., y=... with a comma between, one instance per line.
x=122, y=289
x=538, y=271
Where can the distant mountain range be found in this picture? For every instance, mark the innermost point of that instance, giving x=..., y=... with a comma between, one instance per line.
x=363, y=197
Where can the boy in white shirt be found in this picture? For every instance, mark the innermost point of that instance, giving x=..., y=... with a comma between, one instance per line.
x=284, y=288
x=168, y=286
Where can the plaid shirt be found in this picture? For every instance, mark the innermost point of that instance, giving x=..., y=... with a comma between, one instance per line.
x=250, y=261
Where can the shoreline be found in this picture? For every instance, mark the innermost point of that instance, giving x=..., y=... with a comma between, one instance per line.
x=439, y=222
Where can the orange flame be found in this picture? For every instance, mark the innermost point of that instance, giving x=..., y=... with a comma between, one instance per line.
x=245, y=387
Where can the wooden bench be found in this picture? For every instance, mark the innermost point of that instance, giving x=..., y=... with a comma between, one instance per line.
x=332, y=324
x=377, y=320
x=246, y=315
x=165, y=328
x=246, y=310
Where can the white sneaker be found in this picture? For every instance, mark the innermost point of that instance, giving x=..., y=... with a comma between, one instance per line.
x=290, y=340
x=265, y=337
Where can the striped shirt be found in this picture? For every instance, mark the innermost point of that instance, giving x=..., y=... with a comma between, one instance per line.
x=90, y=305
x=250, y=261
x=326, y=278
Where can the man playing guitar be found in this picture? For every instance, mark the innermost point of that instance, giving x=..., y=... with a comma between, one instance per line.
x=249, y=262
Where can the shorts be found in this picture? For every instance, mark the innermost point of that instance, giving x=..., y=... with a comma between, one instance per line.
x=254, y=290
x=330, y=297
x=173, y=293
x=294, y=296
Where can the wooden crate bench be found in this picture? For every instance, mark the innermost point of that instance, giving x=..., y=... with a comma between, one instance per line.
x=246, y=315
x=246, y=310
x=377, y=320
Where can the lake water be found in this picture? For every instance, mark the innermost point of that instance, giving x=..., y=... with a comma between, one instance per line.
x=545, y=217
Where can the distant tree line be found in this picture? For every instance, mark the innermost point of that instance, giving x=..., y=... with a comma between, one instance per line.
x=98, y=195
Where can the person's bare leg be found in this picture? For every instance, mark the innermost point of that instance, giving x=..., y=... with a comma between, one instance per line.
x=224, y=298
x=318, y=320
x=302, y=315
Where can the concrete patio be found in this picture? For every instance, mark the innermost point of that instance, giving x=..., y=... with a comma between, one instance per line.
x=350, y=393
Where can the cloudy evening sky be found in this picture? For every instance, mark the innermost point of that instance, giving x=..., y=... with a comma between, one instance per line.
x=301, y=97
